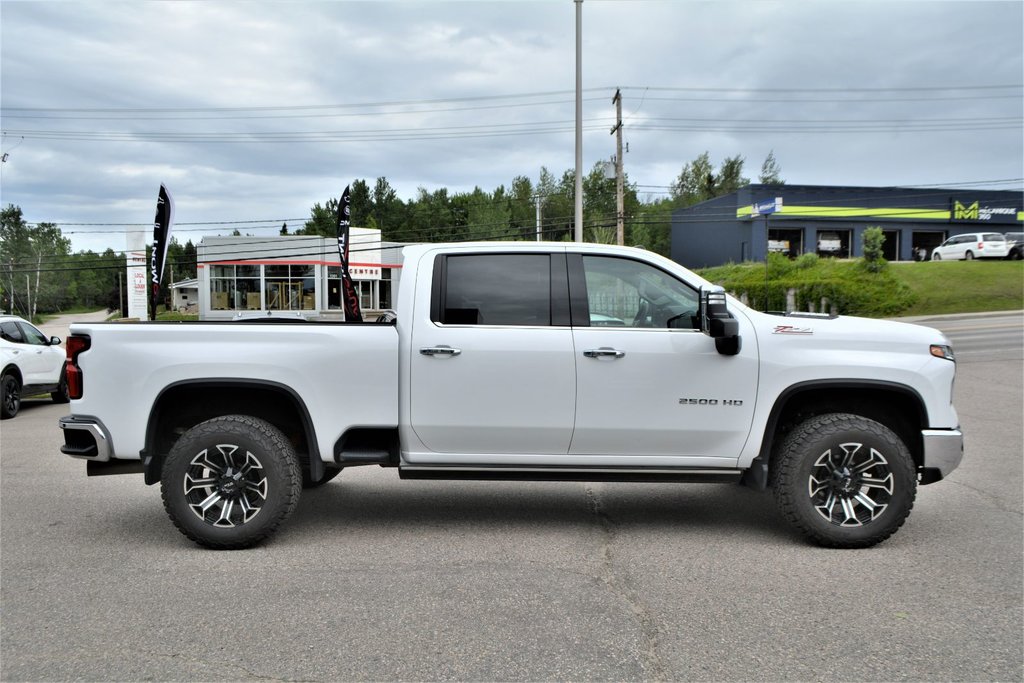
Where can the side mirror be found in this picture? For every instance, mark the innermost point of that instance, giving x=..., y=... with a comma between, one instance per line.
x=54, y=341
x=717, y=322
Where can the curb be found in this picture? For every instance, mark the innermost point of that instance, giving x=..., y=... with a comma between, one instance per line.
x=957, y=316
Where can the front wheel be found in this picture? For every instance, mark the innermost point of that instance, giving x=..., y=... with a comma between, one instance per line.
x=10, y=396
x=936, y=257
x=844, y=481
x=230, y=482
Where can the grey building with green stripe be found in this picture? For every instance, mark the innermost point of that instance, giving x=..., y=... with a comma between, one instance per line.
x=830, y=221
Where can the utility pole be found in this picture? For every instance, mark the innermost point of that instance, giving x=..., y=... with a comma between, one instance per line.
x=538, y=217
x=620, y=209
x=579, y=121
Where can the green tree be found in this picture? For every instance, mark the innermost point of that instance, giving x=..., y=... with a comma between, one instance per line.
x=730, y=177
x=522, y=208
x=771, y=172
x=695, y=182
x=33, y=255
x=323, y=220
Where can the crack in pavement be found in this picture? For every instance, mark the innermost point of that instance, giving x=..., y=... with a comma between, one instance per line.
x=619, y=584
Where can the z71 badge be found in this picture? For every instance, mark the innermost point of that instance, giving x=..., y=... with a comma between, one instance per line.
x=790, y=329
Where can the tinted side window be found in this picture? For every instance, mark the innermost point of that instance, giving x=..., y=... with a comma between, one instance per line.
x=497, y=289
x=626, y=293
x=32, y=335
x=11, y=332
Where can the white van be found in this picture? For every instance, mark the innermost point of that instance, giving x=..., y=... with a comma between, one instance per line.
x=972, y=245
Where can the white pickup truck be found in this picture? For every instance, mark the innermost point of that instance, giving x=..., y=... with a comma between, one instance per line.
x=524, y=361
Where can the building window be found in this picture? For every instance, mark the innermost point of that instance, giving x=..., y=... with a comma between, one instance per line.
x=367, y=298
x=385, y=288
x=234, y=288
x=290, y=288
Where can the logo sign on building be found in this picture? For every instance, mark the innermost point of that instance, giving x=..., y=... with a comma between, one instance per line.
x=767, y=206
x=976, y=212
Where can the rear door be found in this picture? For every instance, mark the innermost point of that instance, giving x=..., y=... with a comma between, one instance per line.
x=491, y=363
x=649, y=383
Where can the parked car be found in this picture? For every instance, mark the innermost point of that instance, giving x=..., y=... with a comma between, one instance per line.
x=971, y=245
x=1015, y=243
x=32, y=364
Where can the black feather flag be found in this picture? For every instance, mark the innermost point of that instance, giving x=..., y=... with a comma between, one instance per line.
x=161, y=240
x=349, y=295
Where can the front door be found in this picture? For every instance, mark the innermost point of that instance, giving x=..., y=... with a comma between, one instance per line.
x=649, y=383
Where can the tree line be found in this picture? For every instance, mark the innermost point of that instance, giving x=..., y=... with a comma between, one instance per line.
x=39, y=273
x=511, y=213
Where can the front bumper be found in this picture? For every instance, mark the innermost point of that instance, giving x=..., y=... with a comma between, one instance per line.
x=943, y=451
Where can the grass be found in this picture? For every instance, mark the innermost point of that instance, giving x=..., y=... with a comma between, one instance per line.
x=962, y=286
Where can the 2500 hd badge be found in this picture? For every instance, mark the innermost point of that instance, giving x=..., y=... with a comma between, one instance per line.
x=710, y=402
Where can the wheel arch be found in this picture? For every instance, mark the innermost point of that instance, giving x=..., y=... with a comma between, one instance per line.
x=897, y=406
x=182, y=405
x=13, y=369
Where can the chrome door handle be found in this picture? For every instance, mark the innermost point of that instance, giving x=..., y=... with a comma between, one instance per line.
x=602, y=352
x=440, y=351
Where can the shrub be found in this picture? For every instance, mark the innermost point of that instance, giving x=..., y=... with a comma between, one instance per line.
x=873, y=240
x=844, y=285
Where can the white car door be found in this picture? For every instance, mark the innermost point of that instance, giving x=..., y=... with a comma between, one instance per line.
x=491, y=370
x=649, y=383
x=41, y=362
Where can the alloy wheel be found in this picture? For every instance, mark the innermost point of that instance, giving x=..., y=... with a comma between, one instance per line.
x=851, y=486
x=225, y=486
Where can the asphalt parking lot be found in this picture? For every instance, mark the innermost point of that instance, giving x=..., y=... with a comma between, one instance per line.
x=375, y=578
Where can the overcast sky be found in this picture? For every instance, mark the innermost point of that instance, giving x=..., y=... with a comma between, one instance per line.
x=253, y=111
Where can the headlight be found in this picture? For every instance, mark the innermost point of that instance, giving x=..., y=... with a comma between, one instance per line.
x=942, y=351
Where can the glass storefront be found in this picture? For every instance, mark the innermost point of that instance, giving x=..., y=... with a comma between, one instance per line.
x=235, y=288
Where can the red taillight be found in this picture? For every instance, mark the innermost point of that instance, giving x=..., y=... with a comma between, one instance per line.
x=981, y=245
x=75, y=344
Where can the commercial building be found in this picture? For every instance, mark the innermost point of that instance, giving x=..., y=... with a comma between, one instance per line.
x=292, y=273
x=830, y=221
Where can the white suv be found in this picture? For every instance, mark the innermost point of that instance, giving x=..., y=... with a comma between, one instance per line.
x=32, y=364
x=972, y=245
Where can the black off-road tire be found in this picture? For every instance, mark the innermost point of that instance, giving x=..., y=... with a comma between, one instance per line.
x=229, y=483
x=61, y=394
x=844, y=481
x=329, y=473
x=10, y=396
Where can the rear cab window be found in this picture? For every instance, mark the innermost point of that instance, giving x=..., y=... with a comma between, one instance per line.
x=500, y=289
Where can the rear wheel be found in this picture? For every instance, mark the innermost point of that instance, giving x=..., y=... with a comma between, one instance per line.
x=844, y=481
x=230, y=482
x=61, y=394
x=969, y=256
x=10, y=396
